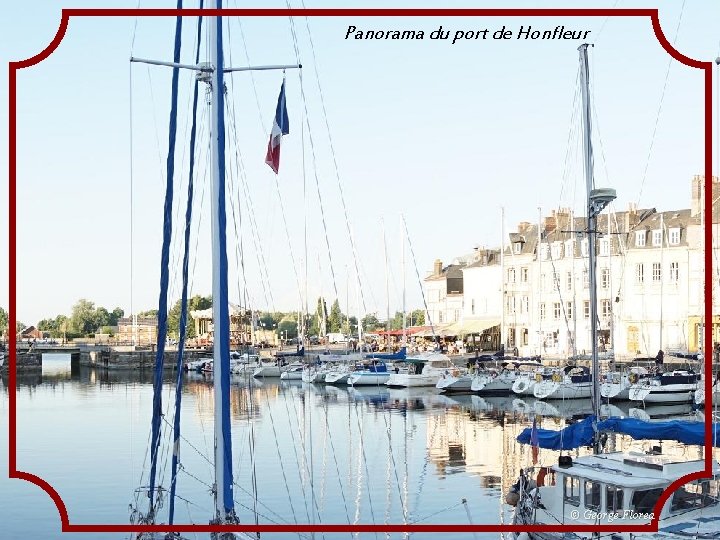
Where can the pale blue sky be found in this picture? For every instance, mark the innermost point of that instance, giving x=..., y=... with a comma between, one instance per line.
x=445, y=134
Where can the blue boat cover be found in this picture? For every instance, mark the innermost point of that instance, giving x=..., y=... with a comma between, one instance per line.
x=400, y=355
x=582, y=433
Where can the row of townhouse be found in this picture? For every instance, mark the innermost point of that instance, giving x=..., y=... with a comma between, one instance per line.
x=650, y=282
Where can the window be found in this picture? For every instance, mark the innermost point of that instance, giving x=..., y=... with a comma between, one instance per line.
x=511, y=275
x=639, y=273
x=544, y=251
x=517, y=247
x=605, y=308
x=656, y=272
x=569, y=309
x=605, y=246
x=674, y=239
x=525, y=336
x=605, y=278
x=472, y=306
x=586, y=279
x=586, y=309
x=440, y=317
x=657, y=238
x=643, y=501
x=697, y=494
x=526, y=305
x=640, y=239
x=456, y=314
x=556, y=250
x=674, y=272
x=570, y=248
x=592, y=495
x=571, y=490
x=584, y=247
x=569, y=281
x=542, y=310
x=556, y=281
x=524, y=274
x=556, y=310
x=613, y=499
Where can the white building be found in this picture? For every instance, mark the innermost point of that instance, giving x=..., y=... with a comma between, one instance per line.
x=650, y=280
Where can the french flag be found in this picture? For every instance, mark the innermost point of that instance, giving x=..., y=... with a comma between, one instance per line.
x=281, y=126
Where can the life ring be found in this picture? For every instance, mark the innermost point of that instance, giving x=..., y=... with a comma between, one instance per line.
x=557, y=377
x=633, y=378
x=455, y=373
x=538, y=377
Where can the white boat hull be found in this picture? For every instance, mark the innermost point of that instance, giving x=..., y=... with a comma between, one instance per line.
x=455, y=384
x=562, y=390
x=524, y=386
x=487, y=384
x=407, y=380
x=367, y=378
x=671, y=393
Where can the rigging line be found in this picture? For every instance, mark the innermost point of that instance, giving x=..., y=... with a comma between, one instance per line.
x=259, y=253
x=662, y=98
x=602, y=26
x=332, y=150
x=362, y=459
x=155, y=125
x=280, y=459
x=417, y=273
x=132, y=182
x=337, y=467
x=134, y=32
x=295, y=449
x=287, y=234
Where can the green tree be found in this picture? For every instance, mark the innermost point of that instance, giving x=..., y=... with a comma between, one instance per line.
x=117, y=313
x=335, y=320
x=195, y=303
x=83, y=318
x=370, y=322
x=3, y=321
x=19, y=326
x=417, y=318
x=321, y=314
x=102, y=317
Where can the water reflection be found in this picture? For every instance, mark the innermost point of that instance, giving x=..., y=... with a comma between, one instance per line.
x=367, y=454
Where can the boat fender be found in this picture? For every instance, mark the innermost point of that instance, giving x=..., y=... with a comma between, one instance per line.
x=557, y=377
x=633, y=378
x=538, y=377
x=512, y=497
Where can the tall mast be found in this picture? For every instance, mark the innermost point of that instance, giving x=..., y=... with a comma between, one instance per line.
x=541, y=336
x=662, y=278
x=224, y=505
x=597, y=200
x=402, y=251
x=502, y=275
x=387, y=288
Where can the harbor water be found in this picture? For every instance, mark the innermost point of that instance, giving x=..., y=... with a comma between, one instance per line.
x=303, y=453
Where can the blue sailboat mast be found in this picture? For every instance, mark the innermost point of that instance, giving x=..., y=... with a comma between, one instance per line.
x=224, y=504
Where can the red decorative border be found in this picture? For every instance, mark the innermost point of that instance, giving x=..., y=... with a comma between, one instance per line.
x=374, y=12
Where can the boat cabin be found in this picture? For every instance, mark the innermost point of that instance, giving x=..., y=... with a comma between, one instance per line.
x=628, y=485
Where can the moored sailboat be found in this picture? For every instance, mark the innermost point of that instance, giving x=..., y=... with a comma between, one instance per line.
x=614, y=488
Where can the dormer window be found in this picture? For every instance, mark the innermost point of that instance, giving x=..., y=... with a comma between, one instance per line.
x=517, y=247
x=674, y=235
x=657, y=237
x=640, y=239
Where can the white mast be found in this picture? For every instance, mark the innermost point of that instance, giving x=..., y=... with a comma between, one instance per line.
x=502, y=275
x=541, y=336
x=216, y=258
x=404, y=327
x=597, y=199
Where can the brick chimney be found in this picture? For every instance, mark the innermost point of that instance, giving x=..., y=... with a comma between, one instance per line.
x=549, y=223
x=631, y=217
x=437, y=267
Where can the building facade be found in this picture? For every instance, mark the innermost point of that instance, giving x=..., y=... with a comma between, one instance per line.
x=650, y=283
